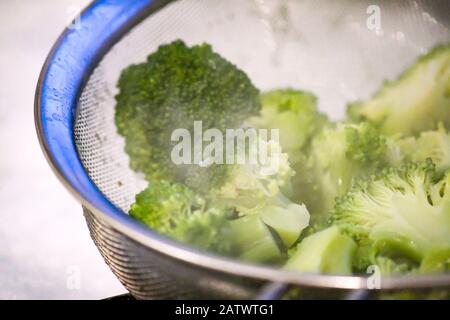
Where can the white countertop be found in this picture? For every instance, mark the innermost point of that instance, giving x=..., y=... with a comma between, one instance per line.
x=45, y=248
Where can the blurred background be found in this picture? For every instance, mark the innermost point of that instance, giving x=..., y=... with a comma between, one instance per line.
x=45, y=248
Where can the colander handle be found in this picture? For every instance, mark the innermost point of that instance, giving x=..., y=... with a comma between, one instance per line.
x=275, y=290
x=272, y=291
x=359, y=294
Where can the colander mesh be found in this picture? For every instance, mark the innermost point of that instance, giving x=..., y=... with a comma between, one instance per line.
x=322, y=46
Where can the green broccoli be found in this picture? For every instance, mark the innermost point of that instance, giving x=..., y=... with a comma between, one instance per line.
x=327, y=251
x=175, y=210
x=261, y=189
x=252, y=240
x=429, y=144
x=252, y=185
x=393, y=266
x=436, y=261
x=367, y=256
x=244, y=216
x=377, y=188
x=416, y=102
x=288, y=221
x=294, y=113
x=176, y=86
x=401, y=212
x=338, y=156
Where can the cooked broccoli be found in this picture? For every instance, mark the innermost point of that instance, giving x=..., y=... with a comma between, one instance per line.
x=367, y=256
x=378, y=188
x=393, y=266
x=176, y=86
x=436, y=261
x=178, y=212
x=338, y=157
x=417, y=101
x=242, y=217
x=250, y=186
x=327, y=251
x=402, y=212
x=288, y=221
x=429, y=144
x=261, y=188
x=252, y=240
x=294, y=113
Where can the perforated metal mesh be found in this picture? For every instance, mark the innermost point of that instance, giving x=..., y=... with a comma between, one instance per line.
x=335, y=49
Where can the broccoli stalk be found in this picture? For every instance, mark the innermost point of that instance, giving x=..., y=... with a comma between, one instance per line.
x=287, y=221
x=252, y=240
x=327, y=251
x=402, y=212
x=416, y=102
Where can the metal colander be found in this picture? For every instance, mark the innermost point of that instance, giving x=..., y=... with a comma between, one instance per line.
x=340, y=50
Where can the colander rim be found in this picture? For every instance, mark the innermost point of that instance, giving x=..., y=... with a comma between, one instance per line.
x=64, y=74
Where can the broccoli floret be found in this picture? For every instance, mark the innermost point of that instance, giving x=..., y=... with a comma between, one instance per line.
x=176, y=211
x=338, y=157
x=402, y=212
x=244, y=217
x=436, y=261
x=294, y=113
x=252, y=185
x=261, y=188
x=176, y=86
x=429, y=144
x=393, y=267
x=391, y=202
x=416, y=102
x=367, y=256
x=327, y=251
